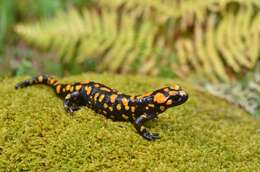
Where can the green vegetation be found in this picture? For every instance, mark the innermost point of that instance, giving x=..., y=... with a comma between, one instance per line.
x=13, y=52
x=204, y=134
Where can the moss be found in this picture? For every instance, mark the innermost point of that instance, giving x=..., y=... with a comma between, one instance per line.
x=204, y=134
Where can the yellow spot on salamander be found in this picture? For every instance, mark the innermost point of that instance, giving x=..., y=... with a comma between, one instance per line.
x=101, y=97
x=105, y=105
x=132, y=109
x=105, y=89
x=113, y=98
x=142, y=128
x=88, y=90
x=132, y=98
x=171, y=93
x=144, y=116
x=176, y=87
x=151, y=105
x=169, y=102
x=118, y=107
x=110, y=108
x=58, y=87
x=68, y=87
x=166, y=89
x=159, y=98
x=68, y=96
x=97, y=85
x=71, y=89
x=96, y=96
x=146, y=107
x=78, y=87
x=124, y=101
x=127, y=107
x=125, y=117
x=40, y=78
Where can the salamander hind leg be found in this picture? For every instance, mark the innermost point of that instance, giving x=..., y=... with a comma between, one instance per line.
x=71, y=102
x=138, y=123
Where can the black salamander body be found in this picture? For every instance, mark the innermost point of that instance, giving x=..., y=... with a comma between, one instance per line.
x=113, y=104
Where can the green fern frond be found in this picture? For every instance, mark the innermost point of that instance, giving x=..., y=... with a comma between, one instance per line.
x=95, y=35
x=165, y=9
x=224, y=42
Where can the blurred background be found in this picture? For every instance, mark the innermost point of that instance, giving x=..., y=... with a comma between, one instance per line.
x=213, y=44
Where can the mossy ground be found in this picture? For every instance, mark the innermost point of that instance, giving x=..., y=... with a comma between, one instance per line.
x=204, y=134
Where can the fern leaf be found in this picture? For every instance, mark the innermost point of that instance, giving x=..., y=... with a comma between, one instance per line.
x=106, y=35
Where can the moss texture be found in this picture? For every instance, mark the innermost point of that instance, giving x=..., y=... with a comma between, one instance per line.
x=204, y=134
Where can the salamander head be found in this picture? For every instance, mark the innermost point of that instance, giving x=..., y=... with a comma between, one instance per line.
x=170, y=96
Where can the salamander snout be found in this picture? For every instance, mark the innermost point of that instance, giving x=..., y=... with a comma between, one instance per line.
x=179, y=97
x=183, y=96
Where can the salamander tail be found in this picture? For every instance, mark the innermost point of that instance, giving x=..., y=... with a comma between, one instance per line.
x=40, y=79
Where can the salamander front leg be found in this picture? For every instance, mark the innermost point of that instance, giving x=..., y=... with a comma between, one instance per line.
x=138, y=123
x=70, y=102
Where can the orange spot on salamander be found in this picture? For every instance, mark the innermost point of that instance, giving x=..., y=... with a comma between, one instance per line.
x=101, y=97
x=113, y=98
x=171, y=93
x=169, y=102
x=52, y=81
x=124, y=101
x=58, y=87
x=159, y=98
x=88, y=90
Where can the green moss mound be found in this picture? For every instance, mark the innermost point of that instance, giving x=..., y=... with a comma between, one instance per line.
x=204, y=134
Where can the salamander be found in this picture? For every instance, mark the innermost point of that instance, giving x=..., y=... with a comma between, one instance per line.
x=112, y=103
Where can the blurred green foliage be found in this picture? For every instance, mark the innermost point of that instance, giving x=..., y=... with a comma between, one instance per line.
x=12, y=50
